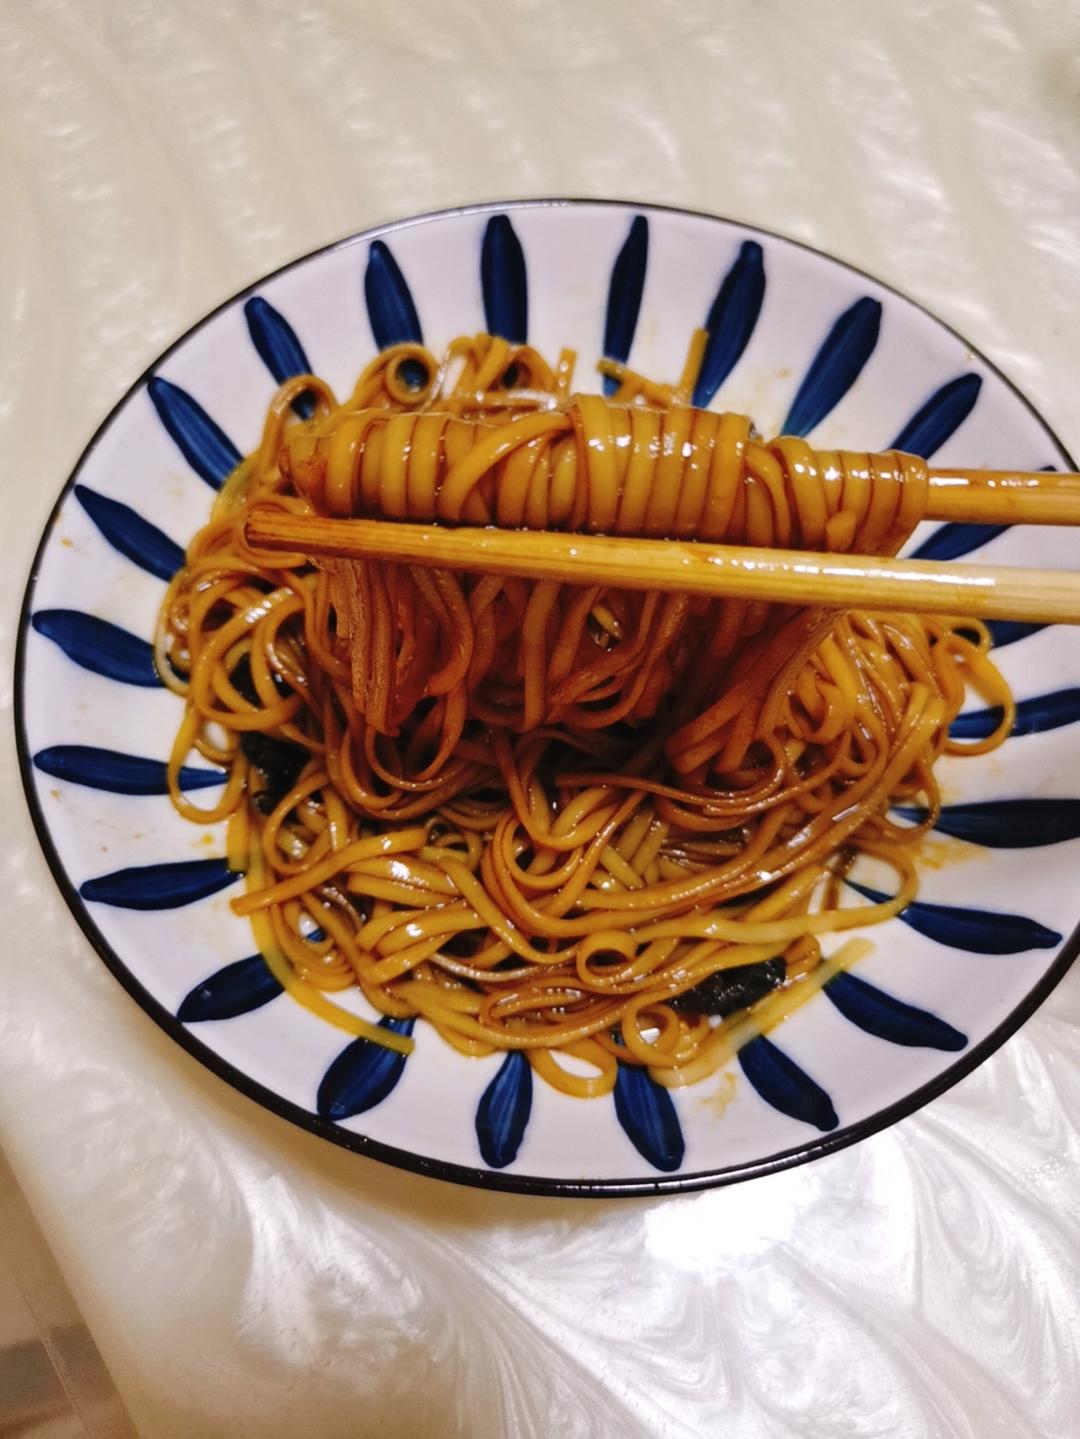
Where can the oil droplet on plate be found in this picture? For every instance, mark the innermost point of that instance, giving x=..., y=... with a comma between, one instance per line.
x=718, y=1100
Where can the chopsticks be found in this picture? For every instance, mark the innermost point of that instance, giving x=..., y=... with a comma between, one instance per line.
x=720, y=571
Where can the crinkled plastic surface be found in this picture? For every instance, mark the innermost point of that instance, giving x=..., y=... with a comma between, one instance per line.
x=244, y=1278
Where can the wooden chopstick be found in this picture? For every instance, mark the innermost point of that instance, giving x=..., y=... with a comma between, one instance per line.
x=1004, y=497
x=721, y=571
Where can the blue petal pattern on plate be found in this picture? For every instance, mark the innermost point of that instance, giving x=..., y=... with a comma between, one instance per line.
x=362, y=1075
x=126, y=530
x=731, y=321
x=836, y=366
x=237, y=989
x=160, y=886
x=781, y=1083
x=109, y=769
x=624, y=296
x=389, y=301
x=278, y=347
x=99, y=646
x=1007, y=632
x=980, y=931
x=942, y=414
x=503, y=1111
x=886, y=1017
x=1033, y=716
x=1006, y=823
x=949, y=542
x=504, y=281
x=202, y=442
x=647, y=1114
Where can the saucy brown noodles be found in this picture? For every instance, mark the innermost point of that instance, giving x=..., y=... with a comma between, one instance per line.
x=598, y=825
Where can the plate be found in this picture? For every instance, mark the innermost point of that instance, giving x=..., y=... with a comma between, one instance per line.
x=803, y=343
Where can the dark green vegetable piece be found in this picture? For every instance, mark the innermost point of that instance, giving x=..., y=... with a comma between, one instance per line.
x=729, y=990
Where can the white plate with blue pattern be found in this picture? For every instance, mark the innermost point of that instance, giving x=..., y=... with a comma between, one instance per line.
x=804, y=344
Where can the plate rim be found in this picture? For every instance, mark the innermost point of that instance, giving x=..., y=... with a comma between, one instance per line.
x=450, y=1171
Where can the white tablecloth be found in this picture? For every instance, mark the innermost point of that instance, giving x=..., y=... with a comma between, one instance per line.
x=244, y=1278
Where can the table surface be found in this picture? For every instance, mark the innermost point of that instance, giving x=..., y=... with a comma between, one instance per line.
x=244, y=1278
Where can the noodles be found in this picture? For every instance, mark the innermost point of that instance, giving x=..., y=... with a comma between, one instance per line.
x=516, y=656
x=576, y=821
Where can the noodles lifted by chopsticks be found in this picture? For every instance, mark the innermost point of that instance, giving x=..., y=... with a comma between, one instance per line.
x=577, y=821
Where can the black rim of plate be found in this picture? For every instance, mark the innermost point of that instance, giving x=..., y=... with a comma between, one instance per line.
x=402, y=1158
